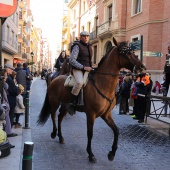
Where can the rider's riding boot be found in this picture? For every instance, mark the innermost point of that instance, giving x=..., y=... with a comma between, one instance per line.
x=74, y=99
x=71, y=106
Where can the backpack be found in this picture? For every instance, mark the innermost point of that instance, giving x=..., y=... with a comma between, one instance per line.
x=134, y=92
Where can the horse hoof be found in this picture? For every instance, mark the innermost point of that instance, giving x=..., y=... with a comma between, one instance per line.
x=53, y=135
x=92, y=159
x=61, y=140
x=110, y=156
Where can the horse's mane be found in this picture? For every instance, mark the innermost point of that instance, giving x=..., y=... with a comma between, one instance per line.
x=120, y=47
x=103, y=58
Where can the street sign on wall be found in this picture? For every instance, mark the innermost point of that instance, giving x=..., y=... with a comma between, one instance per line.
x=7, y=7
x=136, y=45
x=152, y=54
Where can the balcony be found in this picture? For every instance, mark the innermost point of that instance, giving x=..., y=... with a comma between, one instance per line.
x=93, y=35
x=104, y=30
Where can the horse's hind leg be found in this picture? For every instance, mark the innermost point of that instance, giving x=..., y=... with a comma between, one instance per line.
x=90, y=123
x=110, y=122
x=63, y=112
x=53, y=117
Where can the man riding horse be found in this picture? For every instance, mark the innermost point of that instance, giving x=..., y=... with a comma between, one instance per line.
x=80, y=60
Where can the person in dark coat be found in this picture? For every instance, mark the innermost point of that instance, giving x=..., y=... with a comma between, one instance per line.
x=167, y=70
x=21, y=79
x=25, y=67
x=13, y=91
x=124, y=96
x=81, y=61
x=58, y=64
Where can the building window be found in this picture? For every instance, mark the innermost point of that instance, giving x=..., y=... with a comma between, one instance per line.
x=13, y=38
x=82, y=28
x=136, y=6
x=16, y=40
x=110, y=14
x=89, y=27
x=96, y=23
x=83, y=7
x=74, y=14
x=20, y=14
x=16, y=19
x=95, y=54
x=8, y=34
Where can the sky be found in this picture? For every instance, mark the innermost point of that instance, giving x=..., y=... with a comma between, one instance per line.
x=47, y=15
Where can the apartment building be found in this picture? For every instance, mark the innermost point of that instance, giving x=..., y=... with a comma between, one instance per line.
x=10, y=38
x=126, y=20
x=45, y=58
x=66, y=29
x=24, y=26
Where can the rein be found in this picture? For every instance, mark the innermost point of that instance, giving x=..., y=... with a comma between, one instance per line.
x=109, y=74
x=105, y=97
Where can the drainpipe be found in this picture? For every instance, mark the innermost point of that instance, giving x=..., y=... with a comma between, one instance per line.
x=126, y=15
x=79, y=17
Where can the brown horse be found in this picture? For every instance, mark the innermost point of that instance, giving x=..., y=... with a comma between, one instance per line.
x=65, y=69
x=99, y=95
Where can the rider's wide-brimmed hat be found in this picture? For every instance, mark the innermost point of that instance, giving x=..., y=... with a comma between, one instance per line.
x=84, y=33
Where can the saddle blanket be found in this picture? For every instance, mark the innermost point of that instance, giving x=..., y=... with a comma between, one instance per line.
x=70, y=81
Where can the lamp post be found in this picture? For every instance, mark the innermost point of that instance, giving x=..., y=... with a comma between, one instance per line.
x=32, y=55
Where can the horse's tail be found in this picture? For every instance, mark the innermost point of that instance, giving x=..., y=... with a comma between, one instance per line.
x=45, y=111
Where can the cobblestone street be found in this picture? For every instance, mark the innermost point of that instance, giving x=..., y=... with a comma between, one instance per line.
x=138, y=147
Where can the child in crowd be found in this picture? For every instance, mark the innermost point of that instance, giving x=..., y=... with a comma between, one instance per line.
x=19, y=108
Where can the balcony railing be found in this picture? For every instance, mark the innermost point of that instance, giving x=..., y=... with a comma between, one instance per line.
x=93, y=35
x=103, y=28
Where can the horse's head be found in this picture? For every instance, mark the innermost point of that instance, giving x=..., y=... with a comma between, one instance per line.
x=127, y=57
x=65, y=67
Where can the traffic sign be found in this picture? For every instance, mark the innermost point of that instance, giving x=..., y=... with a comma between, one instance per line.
x=152, y=54
x=7, y=7
x=136, y=45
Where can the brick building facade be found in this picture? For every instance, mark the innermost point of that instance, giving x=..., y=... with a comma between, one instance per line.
x=127, y=20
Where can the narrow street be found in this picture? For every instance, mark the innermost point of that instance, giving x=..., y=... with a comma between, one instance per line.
x=138, y=147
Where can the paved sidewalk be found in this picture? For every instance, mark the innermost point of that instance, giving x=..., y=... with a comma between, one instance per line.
x=14, y=160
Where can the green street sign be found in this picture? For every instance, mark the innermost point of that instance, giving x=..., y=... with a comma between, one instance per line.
x=152, y=54
x=136, y=45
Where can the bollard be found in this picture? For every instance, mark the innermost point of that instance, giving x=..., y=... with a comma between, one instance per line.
x=27, y=111
x=27, y=156
x=27, y=114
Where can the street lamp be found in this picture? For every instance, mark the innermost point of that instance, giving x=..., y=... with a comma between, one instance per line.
x=32, y=55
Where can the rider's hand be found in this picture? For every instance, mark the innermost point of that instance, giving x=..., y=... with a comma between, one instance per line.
x=87, y=69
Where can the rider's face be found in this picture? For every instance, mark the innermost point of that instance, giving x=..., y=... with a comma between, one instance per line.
x=84, y=38
x=63, y=54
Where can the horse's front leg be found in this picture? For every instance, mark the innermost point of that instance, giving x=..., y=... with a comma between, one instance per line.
x=90, y=123
x=63, y=112
x=109, y=120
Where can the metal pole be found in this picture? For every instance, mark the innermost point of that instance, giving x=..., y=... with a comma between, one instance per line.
x=27, y=112
x=0, y=42
x=27, y=156
x=1, y=82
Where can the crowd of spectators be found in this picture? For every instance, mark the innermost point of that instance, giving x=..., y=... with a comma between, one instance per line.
x=16, y=82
